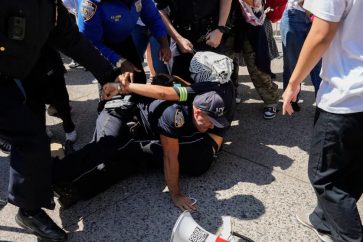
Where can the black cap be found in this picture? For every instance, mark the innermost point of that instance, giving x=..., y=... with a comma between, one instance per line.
x=212, y=104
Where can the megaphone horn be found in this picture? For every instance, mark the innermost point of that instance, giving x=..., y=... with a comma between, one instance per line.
x=187, y=230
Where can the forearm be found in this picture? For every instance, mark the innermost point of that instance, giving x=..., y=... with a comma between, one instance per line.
x=224, y=10
x=171, y=173
x=169, y=26
x=154, y=91
x=163, y=41
x=316, y=43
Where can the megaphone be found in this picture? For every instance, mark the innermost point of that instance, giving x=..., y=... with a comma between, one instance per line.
x=187, y=230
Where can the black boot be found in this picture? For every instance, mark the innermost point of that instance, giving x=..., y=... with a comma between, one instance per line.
x=41, y=225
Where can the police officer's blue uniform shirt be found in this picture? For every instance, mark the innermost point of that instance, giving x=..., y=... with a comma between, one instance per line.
x=114, y=20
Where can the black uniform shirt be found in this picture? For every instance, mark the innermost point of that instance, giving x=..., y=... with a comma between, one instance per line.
x=170, y=119
x=25, y=27
x=166, y=118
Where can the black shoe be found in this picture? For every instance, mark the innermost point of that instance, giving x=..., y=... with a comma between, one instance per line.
x=295, y=106
x=67, y=195
x=41, y=225
x=269, y=112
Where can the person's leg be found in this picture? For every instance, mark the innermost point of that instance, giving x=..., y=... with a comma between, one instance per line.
x=58, y=94
x=335, y=170
x=140, y=36
x=265, y=87
x=108, y=123
x=30, y=164
x=159, y=66
x=294, y=29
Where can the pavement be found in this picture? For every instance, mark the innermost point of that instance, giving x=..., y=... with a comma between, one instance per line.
x=259, y=180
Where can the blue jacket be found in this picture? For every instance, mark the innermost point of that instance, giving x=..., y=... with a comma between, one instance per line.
x=113, y=20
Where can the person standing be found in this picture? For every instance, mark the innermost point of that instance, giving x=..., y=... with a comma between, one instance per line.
x=109, y=24
x=335, y=163
x=25, y=28
x=295, y=26
x=194, y=26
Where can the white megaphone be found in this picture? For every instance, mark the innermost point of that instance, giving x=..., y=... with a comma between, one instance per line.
x=187, y=230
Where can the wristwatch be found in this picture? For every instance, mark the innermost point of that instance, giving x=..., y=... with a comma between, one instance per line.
x=223, y=29
x=120, y=62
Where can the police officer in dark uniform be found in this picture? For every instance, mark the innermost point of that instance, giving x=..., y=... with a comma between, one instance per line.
x=25, y=27
x=109, y=24
x=196, y=25
x=169, y=134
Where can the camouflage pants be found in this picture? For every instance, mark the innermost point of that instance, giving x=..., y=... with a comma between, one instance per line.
x=265, y=87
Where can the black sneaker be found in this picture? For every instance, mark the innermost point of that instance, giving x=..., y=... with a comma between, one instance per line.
x=41, y=225
x=269, y=112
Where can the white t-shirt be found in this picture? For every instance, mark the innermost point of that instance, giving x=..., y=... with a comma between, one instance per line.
x=341, y=90
x=294, y=4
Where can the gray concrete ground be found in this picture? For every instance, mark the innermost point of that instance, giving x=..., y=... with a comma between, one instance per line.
x=260, y=179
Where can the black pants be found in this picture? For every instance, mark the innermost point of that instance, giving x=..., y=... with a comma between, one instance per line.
x=30, y=162
x=98, y=165
x=335, y=171
x=46, y=84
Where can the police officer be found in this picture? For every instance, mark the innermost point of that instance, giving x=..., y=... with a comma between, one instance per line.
x=209, y=72
x=194, y=26
x=169, y=134
x=109, y=24
x=25, y=27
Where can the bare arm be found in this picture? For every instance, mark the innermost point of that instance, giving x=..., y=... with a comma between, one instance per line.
x=214, y=38
x=184, y=44
x=171, y=172
x=154, y=91
x=316, y=43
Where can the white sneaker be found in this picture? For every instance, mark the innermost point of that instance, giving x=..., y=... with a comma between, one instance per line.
x=71, y=136
x=304, y=219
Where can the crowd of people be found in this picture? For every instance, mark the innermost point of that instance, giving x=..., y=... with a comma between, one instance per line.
x=189, y=103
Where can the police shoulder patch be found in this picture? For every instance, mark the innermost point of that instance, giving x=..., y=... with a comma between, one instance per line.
x=88, y=9
x=179, y=119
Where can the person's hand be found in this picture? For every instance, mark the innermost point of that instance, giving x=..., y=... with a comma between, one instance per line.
x=214, y=38
x=185, y=45
x=109, y=90
x=165, y=54
x=124, y=80
x=289, y=95
x=127, y=66
x=183, y=202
